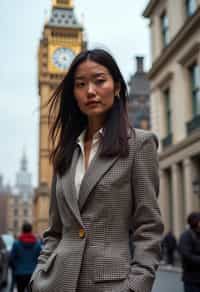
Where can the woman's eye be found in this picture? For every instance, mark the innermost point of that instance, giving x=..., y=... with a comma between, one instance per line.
x=100, y=81
x=80, y=84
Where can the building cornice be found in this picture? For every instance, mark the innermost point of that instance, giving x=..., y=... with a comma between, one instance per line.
x=165, y=81
x=173, y=149
x=193, y=51
x=185, y=32
x=149, y=8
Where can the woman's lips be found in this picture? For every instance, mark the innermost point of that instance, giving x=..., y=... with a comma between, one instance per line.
x=92, y=103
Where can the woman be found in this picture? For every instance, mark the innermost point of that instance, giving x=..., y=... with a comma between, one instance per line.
x=105, y=184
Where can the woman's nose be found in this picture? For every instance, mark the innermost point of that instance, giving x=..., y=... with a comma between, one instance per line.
x=91, y=89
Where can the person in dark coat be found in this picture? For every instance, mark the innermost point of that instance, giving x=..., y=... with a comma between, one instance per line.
x=189, y=247
x=169, y=247
x=24, y=254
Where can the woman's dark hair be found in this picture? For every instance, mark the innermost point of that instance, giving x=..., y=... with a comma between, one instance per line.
x=66, y=121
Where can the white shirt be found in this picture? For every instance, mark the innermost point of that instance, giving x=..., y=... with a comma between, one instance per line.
x=80, y=167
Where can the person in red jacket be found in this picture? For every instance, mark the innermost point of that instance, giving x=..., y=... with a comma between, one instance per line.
x=24, y=254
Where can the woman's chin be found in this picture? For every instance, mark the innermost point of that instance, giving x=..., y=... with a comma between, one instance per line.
x=95, y=112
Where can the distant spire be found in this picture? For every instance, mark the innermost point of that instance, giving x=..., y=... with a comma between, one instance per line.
x=24, y=162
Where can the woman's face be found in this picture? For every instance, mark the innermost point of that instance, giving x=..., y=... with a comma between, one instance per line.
x=94, y=89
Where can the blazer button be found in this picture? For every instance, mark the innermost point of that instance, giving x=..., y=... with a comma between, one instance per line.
x=81, y=233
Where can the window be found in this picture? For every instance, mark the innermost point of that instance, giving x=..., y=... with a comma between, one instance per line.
x=191, y=7
x=25, y=213
x=195, y=88
x=167, y=104
x=165, y=29
x=15, y=224
x=15, y=212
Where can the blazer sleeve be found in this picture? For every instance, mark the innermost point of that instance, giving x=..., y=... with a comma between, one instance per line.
x=147, y=223
x=53, y=234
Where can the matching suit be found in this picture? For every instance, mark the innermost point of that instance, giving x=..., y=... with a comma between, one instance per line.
x=87, y=243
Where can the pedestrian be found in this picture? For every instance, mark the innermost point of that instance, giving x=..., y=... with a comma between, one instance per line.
x=169, y=246
x=13, y=278
x=105, y=172
x=189, y=247
x=23, y=257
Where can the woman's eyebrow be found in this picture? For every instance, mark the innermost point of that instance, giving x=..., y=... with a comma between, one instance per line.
x=79, y=77
x=100, y=74
x=95, y=75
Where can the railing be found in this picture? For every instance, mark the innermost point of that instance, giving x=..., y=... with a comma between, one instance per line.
x=193, y=125
x=167, y=141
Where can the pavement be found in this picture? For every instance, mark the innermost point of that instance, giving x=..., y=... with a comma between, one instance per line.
x=168, y=279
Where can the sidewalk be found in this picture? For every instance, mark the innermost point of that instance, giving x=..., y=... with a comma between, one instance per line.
x=170, y=268
x=173, y=268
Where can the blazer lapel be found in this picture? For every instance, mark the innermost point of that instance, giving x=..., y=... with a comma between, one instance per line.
x=69, y=187
x=98, y=167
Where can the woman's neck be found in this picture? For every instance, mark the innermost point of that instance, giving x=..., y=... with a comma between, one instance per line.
x=93, y=126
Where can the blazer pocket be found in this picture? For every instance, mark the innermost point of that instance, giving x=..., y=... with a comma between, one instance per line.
x=45, y=267
x=108, y=269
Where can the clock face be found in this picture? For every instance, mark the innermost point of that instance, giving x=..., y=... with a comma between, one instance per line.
x=62, y=58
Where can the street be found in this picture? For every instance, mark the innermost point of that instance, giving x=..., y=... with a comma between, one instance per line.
x=166, y=280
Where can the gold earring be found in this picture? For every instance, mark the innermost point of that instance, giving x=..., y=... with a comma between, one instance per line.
x=117, y=96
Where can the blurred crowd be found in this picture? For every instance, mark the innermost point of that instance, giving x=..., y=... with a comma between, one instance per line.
x=186, y=252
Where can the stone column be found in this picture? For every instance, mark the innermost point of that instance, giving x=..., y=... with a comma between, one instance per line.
x=41, y=208
x=190, y=199
x=176, y=20
x=164, y=199
x=158, y=37
x=177, y=200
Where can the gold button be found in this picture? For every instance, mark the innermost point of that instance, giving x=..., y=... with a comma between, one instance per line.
x=81, y=233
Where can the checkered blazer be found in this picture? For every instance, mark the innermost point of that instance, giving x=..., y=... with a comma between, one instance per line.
x=87, y=243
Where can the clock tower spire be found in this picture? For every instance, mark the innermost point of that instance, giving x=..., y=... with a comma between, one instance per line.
x=62, y=39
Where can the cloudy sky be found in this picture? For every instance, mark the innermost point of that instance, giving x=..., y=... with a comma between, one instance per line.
x=115, y=25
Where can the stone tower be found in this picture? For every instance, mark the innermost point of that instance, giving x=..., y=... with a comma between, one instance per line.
x=62, y=40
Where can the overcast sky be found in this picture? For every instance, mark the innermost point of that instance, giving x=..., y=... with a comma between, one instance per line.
x=115, y=25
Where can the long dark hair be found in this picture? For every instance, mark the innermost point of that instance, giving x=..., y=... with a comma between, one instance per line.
x=66, y=121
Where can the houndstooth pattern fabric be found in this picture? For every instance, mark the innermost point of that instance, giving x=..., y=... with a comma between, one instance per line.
x=116, y=194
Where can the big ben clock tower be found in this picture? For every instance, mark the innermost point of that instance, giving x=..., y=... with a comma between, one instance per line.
x=62, y=39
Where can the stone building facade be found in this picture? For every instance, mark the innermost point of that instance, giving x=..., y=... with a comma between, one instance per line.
x=20, y=199
x=18, y=212
x=139, y=92
x=175, y=105
x=4, y=191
